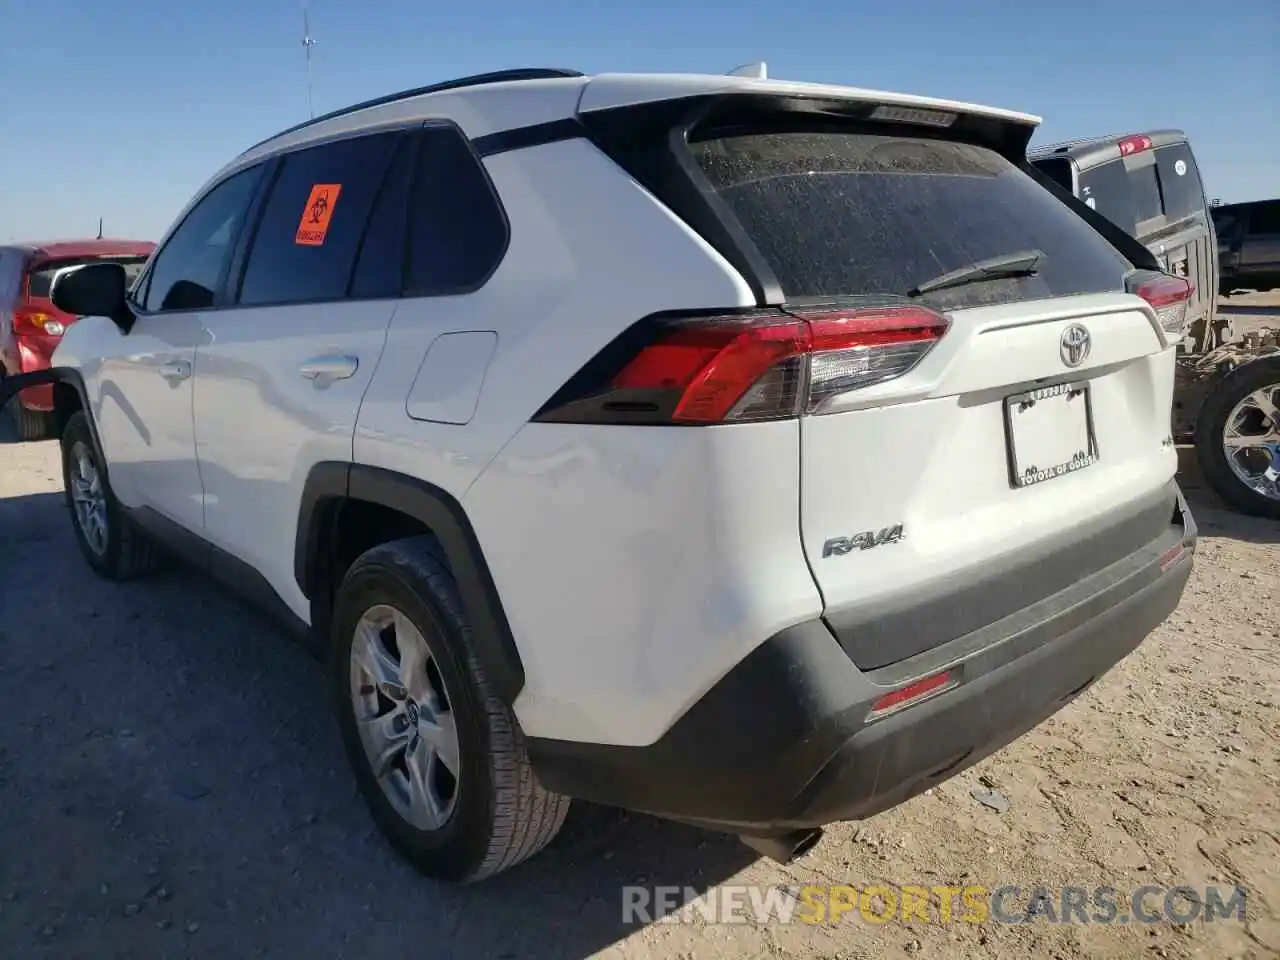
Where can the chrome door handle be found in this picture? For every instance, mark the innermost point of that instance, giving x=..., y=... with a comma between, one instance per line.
x=175, y=371
x=324, y=370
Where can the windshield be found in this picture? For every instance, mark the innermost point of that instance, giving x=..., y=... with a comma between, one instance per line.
x=40, y=280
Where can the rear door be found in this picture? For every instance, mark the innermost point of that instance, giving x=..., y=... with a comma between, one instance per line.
x=280, y=374
x=1016, y=442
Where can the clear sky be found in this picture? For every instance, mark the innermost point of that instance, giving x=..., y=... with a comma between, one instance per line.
x=123, y=108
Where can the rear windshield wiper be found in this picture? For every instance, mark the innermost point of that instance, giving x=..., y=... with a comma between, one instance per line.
x=1024, y=263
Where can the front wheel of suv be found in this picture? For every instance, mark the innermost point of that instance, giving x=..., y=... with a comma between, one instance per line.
x=438, y=756
x=113, y=544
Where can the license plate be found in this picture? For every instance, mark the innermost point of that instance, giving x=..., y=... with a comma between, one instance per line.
x=1050, y=433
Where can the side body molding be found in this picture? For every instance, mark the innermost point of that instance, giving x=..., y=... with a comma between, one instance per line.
x=329, y=484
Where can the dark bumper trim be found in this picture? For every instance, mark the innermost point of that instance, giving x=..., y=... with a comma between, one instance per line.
x=781, y=741
x=891, y=630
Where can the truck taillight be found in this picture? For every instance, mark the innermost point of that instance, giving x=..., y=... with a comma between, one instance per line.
x=1134, y=144
x=763, y=365
x=1169, y=296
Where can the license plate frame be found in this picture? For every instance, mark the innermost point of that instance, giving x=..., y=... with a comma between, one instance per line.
x=1021, y=416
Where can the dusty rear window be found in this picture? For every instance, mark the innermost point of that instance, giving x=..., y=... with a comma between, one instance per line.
x=840, y=214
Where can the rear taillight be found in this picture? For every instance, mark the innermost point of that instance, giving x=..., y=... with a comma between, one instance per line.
x=1169, y=296
x=765, y=365
x=36, y=322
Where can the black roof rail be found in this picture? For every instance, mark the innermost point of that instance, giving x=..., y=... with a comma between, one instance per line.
x=496, y=76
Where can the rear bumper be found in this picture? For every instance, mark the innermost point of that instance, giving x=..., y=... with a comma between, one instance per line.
x=782, y=741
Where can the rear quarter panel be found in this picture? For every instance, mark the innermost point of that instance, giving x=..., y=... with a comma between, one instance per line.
x=632, y=571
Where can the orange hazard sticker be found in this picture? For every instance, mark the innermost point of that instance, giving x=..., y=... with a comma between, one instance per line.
x=314, y=224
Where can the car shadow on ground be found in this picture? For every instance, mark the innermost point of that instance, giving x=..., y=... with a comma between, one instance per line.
x=172, y=782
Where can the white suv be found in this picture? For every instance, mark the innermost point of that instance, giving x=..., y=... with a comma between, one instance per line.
x=750, y=453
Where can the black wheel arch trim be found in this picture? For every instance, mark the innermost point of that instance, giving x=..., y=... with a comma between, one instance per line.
x=329, y=484
x=10, y=387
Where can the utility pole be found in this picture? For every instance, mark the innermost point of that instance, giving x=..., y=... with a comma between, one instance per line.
x=99, y=228
x=307, y=44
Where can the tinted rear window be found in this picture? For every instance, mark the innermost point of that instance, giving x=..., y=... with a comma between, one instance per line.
x=839, y=214
x=1170, y=188
x=1179, y=181
x=1106, y=189
x=40, y=280
x=1146, y=193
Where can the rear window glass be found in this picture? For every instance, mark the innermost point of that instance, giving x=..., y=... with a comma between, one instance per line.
x=40, y=280
x=1146, y=193
x=840, y=214
x=1179, y=181
x=1106, y=189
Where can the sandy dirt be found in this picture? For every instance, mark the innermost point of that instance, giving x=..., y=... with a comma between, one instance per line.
x=172, y=786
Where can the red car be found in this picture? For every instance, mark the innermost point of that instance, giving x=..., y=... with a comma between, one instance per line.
x=31, y=326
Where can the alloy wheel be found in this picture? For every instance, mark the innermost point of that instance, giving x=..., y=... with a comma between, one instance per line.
x=404, y=717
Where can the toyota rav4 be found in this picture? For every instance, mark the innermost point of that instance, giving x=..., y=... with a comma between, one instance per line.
x=750, y=453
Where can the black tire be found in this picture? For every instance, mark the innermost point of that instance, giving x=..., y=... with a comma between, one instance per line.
x=1212, y=421
x=32, y=424
x=128, y=552
x=501, y=814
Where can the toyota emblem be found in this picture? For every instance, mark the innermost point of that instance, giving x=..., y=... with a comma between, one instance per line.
x=1075, y=345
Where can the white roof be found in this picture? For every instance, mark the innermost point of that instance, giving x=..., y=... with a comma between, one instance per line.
x=493, y=107
x=624, y=89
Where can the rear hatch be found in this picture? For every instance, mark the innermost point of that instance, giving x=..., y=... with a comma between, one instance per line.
x=951, y=475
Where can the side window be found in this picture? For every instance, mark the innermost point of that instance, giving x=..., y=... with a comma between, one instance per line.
x=380, y=266
x=1265, y=219
x=1179, y=181
x=1106, y=189
x=306, y=243
x=187, y=270
x=457, y=228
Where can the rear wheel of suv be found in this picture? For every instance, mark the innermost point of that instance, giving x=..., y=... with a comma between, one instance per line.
x=113, y=544
x=438, y=756
x=1238, y=438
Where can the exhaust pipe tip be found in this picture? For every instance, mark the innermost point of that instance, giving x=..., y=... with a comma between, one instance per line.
x=785, y=847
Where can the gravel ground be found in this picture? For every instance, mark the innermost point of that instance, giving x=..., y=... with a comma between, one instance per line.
x=172, y=786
